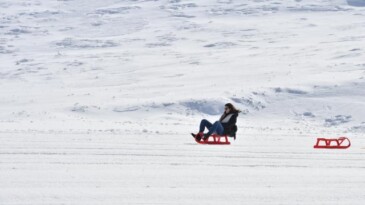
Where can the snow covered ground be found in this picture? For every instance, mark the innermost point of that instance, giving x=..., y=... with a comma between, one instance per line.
x=97, y=100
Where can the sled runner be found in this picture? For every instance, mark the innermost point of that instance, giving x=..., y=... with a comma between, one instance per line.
x=215, y=139
x=333, y=143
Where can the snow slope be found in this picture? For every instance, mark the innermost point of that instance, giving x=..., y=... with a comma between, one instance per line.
x=98, y=98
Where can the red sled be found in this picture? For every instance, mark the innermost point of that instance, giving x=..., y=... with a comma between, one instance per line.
x=215, y=139
x=333, y=143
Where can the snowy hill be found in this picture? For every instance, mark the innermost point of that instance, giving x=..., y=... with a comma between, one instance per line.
x=111, y=60
x=112, y=78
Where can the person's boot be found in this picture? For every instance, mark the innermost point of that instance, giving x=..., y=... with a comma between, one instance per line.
x=206, y=136
x=198, y=136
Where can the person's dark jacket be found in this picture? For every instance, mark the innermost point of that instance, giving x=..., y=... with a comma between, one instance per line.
x=228, y=122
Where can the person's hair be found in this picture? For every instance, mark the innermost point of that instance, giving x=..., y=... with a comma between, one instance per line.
x=232, y=107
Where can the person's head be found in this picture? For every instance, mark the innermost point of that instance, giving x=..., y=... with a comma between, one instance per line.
x=230, y=108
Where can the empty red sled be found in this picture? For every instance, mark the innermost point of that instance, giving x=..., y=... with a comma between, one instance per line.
x=215, y=139
x=340, y=143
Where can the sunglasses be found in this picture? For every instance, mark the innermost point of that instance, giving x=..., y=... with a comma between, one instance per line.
x=226, y=108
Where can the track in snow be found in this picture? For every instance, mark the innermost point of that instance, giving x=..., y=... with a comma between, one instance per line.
x=161, y=169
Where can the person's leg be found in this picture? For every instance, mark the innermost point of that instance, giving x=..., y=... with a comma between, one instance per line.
x=215, y=128
x=204, y=124
x=220, y=129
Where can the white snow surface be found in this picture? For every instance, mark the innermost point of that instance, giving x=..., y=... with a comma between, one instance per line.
x=97, y=100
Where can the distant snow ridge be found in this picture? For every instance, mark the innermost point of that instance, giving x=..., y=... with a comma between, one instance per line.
x=40, y=14
x=189, y=107
x=316, y=8
x=290, y=91
x=249, y=102
x=17, y=31
x=337, y=120
x=79, y=108
x=84, y=108
x=215, y=107
x=212, y=107
x=126, y=109
x=308, y=114
x=118, y=10
x=179, y=6
x=86, y=43
x=4, y=50
x=359, y=128
x=359, y=3
x=220, y=45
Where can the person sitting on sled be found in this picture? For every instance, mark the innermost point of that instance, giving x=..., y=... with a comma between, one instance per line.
x=225, y=126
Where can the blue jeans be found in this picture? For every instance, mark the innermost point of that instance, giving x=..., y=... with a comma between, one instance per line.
x=213, y=128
